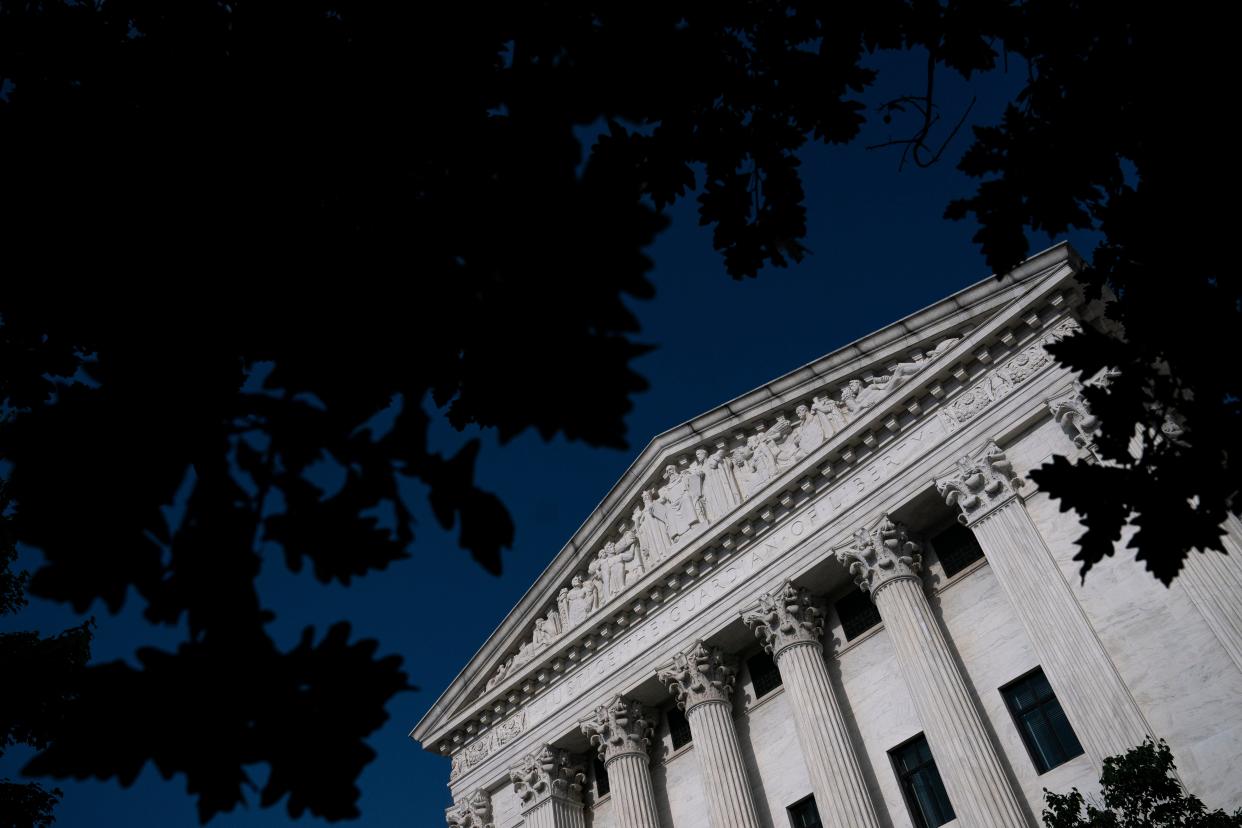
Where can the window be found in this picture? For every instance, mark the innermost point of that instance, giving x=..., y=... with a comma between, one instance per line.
x=601, y=776
x=956, y=548
x=763, y=674
x=920, y=783
x=857, y=613
x=1047, y=733
x=804, y=814
x=678, y=728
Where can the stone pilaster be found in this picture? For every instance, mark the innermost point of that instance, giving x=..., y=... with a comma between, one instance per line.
x=549, y=784
x=790, y=626
x=621, y=732
x=1214, y=583
x=886, y=562
x=475, y=811
x=1099, y=706
x=702, y=682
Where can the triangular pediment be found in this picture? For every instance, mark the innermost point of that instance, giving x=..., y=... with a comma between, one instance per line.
x=692, y=483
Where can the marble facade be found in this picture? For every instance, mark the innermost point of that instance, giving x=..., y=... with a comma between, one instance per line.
x=740, y=532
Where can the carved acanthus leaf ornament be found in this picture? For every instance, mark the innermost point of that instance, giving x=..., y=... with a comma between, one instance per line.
x=546, y=773
x=881, y=555
x=703, y=674
x=784, y=618
x=619, y=727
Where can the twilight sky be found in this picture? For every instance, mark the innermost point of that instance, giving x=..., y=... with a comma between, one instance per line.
x=880, y=251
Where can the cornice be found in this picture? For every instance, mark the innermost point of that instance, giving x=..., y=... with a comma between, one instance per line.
x=1001, y=313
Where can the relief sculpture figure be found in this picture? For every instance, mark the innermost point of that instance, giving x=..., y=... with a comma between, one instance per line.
x=749, y=478
x=720, y=492
x=614, y=580
x=578, y=601
x=679, y=503
x=652, y=529
x=880, y=387
x=631, y=551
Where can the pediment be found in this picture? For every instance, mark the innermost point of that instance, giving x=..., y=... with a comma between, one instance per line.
x=695, y=483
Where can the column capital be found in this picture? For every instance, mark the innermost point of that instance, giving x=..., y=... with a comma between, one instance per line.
x=980, y=484
x=621, y=726
x=475, y=811
x=1070, y=411
x=881, y=555
x=785, y=617
x=700, y=675
x=548, y=772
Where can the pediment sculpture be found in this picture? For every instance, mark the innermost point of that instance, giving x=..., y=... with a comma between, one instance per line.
x=699, y=490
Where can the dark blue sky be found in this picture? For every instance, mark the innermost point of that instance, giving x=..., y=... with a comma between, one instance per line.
x=880, y=251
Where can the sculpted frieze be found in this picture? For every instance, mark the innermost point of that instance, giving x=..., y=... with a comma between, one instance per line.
x=695, y=493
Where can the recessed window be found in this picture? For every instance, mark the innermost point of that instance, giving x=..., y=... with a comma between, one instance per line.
x=804, y=814
x=857, y=613
x=921, y=784
x=764, y=676
x=1047, y=733
x=956, y=548
x=678, y=728
x=601, y=777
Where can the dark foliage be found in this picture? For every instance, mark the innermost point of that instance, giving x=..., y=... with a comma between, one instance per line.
x=27, y=805
x=390, y=202
x=1115, y=131
x=41, y=680
x=1138, y=790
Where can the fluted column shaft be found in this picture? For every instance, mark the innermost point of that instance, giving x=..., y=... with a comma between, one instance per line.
x=555, y=812
x=621, y=732
x=840, y=791
x=633, y=797
x=1098, y=704
x=967, y=759
x=1214, y=583
x=789, y=624
x=729, y=801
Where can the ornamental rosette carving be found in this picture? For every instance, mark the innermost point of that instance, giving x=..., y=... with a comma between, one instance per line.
x=704, y=674
x=619, y=727
x=473, y=812
x=881, y=556
x=785, y=617
x=980, y=484
x=548, y=772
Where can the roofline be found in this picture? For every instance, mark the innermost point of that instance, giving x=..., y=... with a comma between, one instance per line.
x=967, y=297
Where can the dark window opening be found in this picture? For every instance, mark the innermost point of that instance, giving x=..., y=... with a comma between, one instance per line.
x=601, y=777
x=763, y=674
x=857, y=613
x=678, y=728
x=1047, y=733
x=956, y=548
x=921, y=784
x=804, y=814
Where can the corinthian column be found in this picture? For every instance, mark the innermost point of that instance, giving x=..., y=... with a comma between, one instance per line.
x=790, y=626
x=886, y=563
x=475, y=811
x=1097, y=703
x=702, y=681
x=621, y=731
x=549, y=784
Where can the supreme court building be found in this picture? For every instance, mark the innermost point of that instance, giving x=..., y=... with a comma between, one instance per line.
x=840, y=600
